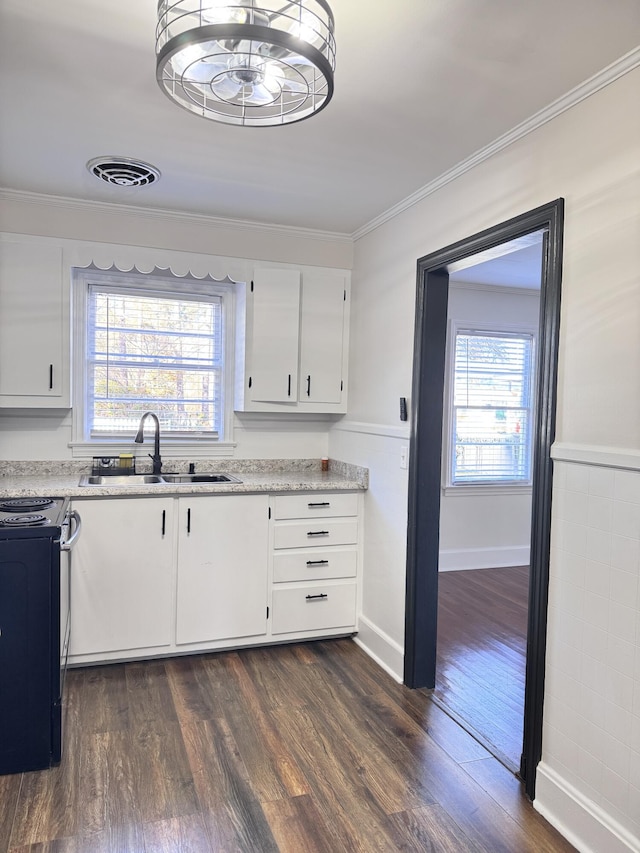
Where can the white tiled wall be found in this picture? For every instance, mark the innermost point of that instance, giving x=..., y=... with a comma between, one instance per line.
x=591, y=733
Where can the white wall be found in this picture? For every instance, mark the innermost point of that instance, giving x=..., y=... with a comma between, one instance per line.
x=487, y=530
x=591, y=749
x=590, y=155
x=113, y=232
x=39, y=435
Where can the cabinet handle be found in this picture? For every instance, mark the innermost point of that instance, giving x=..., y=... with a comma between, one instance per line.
x=317, y=562
x=289, y=387
x=309, y=385
x=164, y=520
x=189, y=520
x=50, y=377
x=317, y=597
x=317, y=533
x=320, y=503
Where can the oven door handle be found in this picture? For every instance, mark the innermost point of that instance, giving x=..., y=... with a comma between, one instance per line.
x=74, y=515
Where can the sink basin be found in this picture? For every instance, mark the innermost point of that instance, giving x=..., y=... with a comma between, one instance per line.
x=124, y=480
x=154, y=479
x=200, y=478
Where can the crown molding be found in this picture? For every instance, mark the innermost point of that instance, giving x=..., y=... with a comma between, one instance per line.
x=154, y=213
x=584, y=90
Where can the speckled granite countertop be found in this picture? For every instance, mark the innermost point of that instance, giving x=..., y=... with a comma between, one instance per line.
x=60, y=479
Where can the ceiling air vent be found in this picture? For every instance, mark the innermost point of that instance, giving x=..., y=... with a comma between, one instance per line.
x=123, y=171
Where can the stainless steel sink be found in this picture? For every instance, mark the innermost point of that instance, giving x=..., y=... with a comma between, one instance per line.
x=154, y=479
x=200, y=478
x=124, y=480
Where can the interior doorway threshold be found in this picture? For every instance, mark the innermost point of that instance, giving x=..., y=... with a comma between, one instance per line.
x=507, y=762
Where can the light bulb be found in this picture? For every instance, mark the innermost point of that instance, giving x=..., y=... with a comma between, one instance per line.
x=221, y=12
x=306, y=28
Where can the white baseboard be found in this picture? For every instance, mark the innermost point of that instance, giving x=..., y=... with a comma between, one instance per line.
x=385, y=652
x=582, y=822
x=456, y=560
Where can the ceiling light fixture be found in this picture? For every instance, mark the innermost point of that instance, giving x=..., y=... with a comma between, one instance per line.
x=256, y=63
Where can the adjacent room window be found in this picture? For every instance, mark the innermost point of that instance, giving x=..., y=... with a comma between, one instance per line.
x=150, y=346
x=491, y=408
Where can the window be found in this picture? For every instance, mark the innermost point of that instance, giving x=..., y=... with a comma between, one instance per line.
x=148, y=346
x=491, y=408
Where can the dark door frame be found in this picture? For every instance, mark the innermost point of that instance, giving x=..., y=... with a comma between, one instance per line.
x=425, y=461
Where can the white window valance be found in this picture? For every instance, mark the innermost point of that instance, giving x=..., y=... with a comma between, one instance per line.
x=161, y=272
x=108, y=256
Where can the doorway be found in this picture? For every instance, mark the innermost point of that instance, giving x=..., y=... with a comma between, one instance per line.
x=425, y=470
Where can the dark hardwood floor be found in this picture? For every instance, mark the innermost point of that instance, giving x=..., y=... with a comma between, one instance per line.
x=481, y=654
x=306, y=748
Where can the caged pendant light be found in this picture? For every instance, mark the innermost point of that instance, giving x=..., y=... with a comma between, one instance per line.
x=255, y=63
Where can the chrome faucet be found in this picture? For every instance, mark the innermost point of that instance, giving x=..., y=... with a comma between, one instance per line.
x=157, y=460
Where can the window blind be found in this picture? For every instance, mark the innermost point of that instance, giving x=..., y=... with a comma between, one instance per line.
x=153, y=351
x=492, y=411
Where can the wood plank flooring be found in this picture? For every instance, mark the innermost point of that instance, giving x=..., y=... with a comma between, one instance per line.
x=307, y=748
x=481, y=654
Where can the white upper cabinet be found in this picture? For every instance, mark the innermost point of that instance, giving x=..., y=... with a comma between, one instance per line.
x=292, y=342
x=321, y=338
x=34, y=327
x=275, y=336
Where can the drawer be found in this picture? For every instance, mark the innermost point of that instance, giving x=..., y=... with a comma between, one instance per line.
x=319, y=565
x=315, y=533
x=314, y=505
x=314, y=608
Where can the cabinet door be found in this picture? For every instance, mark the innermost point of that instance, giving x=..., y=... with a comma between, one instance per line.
x=222, y=567
x=122, y=576
x=274, y=336
x=31, y=330
x=321, y=337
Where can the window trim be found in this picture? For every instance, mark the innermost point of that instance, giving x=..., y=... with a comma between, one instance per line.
x=81, y=444
x=507, y=487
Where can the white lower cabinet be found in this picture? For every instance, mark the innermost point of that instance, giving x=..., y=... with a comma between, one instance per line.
x=315, y=564
x=155, y=576
x=314, y=608
x=122, y=570
x=222, y=577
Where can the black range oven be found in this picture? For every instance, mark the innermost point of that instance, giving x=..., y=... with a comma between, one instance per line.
x=36, y=535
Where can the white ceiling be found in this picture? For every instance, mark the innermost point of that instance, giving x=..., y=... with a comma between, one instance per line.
x=517, y=263
x=420, y=85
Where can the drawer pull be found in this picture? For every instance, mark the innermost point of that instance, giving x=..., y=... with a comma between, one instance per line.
x=317, y=533
x=317, y=597
x=317, y=562
x=323, y=503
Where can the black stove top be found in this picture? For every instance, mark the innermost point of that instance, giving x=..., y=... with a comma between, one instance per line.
x=31, y=517
x=25, y=504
